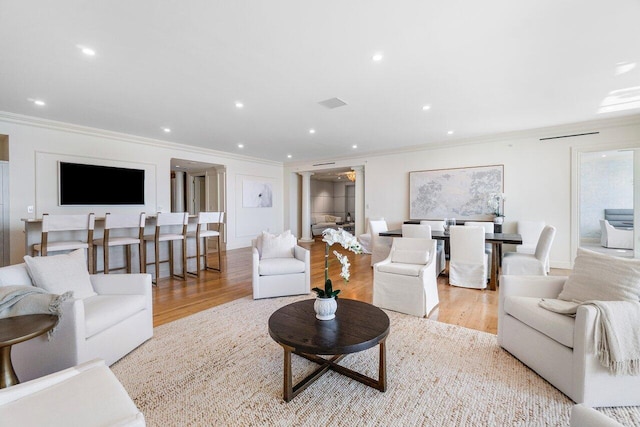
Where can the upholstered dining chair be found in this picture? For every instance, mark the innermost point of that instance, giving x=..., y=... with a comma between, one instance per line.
x=365, y=238
x=114, y=222
x=488, y=228
x=406, y=280
x=530, y=232
x=170, y=227
x=468, y=262
x=380, y=245
x=423, y=231
x=441, y=260
x=202, y=233
x=66, y=225
x=514, y=263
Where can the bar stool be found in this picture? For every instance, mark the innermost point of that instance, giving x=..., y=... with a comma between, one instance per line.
x=164, y=220
x=67, y=223
x=202, y=232
x=121, y=221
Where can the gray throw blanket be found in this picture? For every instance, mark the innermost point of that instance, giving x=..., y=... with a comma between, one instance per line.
x=17, y=300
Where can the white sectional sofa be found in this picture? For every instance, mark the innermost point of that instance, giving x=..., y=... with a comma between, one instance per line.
x=320, y=222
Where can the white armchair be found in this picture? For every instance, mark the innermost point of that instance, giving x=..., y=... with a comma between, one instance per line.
x=107, y=325
x=559, y=348
x=530, y=232
x=86, y=395
x=406, y=280
x=380, y=245
x=280, y=266
x=612, y=237
x=516, y=263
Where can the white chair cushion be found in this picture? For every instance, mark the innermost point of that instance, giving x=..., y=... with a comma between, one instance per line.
x=556, y=326
x=58, y=274
x=118, y=241
x=409, y=256
x=602, y=277
x=278, y=266
x=400, y=268
x=103, y=311
x=277, y=246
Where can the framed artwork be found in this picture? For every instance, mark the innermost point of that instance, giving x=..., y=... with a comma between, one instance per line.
x=256, y=194
x=460, y=192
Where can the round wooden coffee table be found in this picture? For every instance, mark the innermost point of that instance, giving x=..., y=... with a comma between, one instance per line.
x=357, y=326
x=14, y=330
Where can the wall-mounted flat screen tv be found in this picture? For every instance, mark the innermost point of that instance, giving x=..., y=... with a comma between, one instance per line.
x=82, y=184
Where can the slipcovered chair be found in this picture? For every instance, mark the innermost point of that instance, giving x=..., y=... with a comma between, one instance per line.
x=365, y=239
x=558, y=347
x=468, y=262
x=406, y=280
x=488, y=228
x=423, y=231
x=380, y=245
x=612, y=237
x=86, y=395
x=108, y=316
x=532, y=264
x=441, y=260
x=530, y=232
x=280, y=266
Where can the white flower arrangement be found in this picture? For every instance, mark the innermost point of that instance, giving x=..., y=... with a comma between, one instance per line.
x=348, y=241
x=495, y=203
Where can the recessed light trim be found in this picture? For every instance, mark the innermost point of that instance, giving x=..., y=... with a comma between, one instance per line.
x=86, y=50
x=166, y=130
x=450, y=132
x=377, y=57
x=289, y=156
x=354, y=146
x=39, y=102
x=240, y=145
x=239, y=104
x=312, y=131
x=426, y=107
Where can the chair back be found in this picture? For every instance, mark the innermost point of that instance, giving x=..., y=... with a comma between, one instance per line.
x=420, y=231
x=112, y=221
x=436, y=225
x=375, y=227
x=488, y=226
x=172, y=218
x=210, y=217
x=544, y=242
x=530, y=231
x=467, y=244
x=409, y=250
x=68, y=222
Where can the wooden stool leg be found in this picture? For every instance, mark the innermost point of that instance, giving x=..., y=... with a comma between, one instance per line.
x=171, y=273
x=128, y=258
x=219, y=255
x=199, y=253
x=184, y=259
x=142, y=253
x=105, y=257
x=156, y=260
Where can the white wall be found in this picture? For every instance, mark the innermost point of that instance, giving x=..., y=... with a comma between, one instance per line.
x=29, y=138
x=321, y=197
x=537, y=173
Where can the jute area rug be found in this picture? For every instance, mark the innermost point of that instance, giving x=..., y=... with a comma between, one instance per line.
x=220, y=367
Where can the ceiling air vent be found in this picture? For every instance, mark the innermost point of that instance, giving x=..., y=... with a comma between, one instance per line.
x=332, y=103
x=569, y=136
x=324, y=164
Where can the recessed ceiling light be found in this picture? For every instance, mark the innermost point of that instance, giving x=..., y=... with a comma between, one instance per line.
x=450, y=132
x=38, y=102
x=166, y=130
x=354, y=146
x=240, y=145
x=239, y=104
x=604, y=155
x=289, y=156
x=89, y=52
x=426, y=107
x=377, y=57
x=312, y=131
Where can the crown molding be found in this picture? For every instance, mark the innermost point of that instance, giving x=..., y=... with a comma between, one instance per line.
x=118, y=136
x=540, y=132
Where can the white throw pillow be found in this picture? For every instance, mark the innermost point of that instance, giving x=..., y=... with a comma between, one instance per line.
x=277, y=246
x=58, y=274
x=407, y=256
x=599, y=277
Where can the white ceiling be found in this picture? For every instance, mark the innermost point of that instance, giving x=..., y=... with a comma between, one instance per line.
x=484, y=67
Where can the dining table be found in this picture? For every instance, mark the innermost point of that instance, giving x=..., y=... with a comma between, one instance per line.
x=496, y=240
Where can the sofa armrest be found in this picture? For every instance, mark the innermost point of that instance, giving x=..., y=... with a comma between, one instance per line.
x=526, y=286
x=121, y=284
x=301, y=254
x=255, y=256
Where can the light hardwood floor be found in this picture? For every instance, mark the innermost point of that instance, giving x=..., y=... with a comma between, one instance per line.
x=174, y=299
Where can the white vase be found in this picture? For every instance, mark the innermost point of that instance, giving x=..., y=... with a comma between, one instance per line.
x=325, y=308
x=498, y=220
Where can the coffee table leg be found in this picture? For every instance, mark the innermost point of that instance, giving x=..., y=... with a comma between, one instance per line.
x=7, y=374
x=287, y=391
x=382, y=370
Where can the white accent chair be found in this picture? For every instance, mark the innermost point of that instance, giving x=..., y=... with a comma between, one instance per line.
x=559, y=348
x=365, y=239
x=583, y=416
x=202, y=233
x=380, y=245
x=530, y=232
x=468, y=262
x=120, y=222
x=514, y=263
x=286, y=273
x=106, y=326
x=87, y=395
x=66, y=225
x=612, y=237
x=441, y=260
x=423, y=231
x=406, y=280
